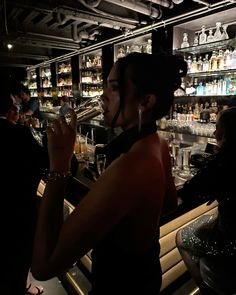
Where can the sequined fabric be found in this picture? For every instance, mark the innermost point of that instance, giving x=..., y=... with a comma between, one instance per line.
x=202, y=237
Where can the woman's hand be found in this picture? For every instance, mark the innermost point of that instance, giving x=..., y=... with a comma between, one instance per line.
x=61, y=140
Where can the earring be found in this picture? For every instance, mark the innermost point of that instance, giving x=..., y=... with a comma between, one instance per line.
x=139, y=119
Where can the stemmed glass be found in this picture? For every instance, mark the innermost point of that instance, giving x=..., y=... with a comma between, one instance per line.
x=100, y=163
x=175, y=152
x=186, y=172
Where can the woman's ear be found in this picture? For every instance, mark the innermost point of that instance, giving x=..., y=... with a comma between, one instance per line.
x=149, y=102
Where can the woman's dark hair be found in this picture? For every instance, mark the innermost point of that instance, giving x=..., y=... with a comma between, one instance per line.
x=227, y=121
x=65, y=98
x=152, y=74
x=19, y=88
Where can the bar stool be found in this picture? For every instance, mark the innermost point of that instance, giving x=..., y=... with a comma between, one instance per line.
x=219, y=274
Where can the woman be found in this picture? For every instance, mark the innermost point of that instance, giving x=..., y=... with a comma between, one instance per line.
x=119, y=217
x=213, y=236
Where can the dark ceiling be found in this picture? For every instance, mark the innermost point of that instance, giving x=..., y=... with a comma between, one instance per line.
x=44, y=29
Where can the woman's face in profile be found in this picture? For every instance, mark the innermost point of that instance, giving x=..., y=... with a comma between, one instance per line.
x=111, y=97
x=128, y=117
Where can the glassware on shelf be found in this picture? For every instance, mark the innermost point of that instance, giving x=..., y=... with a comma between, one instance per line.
x=136, y=48
x=217, y=34
x=224, y=35
x=128, y=50
x=200, y=64
x=149, y=46
x=185, y=42
x=195, y=41
x=205, y=66
x=203, y=36
x=121, y=52
x=233, y=63
x=220, y=60
x=194, y=67
x=227, y=59
x=189, y=63
x=213, y=61
x=210, y=37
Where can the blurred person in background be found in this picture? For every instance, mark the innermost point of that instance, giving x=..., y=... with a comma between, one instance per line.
x=213, y=237
x=23, y=161
x=13, y=115
x=29, y=105
x=65, y=106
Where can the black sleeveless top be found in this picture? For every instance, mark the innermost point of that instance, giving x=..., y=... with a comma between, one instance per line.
x=113, y=270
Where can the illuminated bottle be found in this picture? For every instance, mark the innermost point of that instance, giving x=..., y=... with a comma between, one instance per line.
x=217, y=34
x=203, y=36
x=210, y=37
x=213, y=61
x=185, y=42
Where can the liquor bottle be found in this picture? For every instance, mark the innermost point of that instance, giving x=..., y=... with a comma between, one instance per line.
x=195, y=41
x=200, y=64
x=149, y=46
x=127, y=50
x=194, y=67
x=227, y=59
x=196, y=112
x=213, y=61
x=203, y=36
x=174, y=112
x=217, y=34
x=200, y=89
x=233, y=59
x=220, y=60
x=205, y=66
x=121, y=52
x=185, y=42
x=189, y=63
x=210, y=37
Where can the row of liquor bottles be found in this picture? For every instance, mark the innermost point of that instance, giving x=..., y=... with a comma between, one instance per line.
x=219, y=33
x=203, y=112
x=91, y=61
x=216, y=61
x=91, y=77
x=48, y=93
x=89, y=90
x=225, y=85
x=124, y=50
x=64, y=67
x=192, y=118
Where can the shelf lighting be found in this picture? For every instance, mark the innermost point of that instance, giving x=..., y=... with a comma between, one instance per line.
x=141, y=31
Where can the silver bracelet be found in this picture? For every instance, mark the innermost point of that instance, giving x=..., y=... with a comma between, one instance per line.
x=51, y=176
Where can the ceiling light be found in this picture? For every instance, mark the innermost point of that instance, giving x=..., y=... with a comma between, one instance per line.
x=9, y=46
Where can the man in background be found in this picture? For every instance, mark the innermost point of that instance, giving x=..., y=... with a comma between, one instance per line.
x=29, y=105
